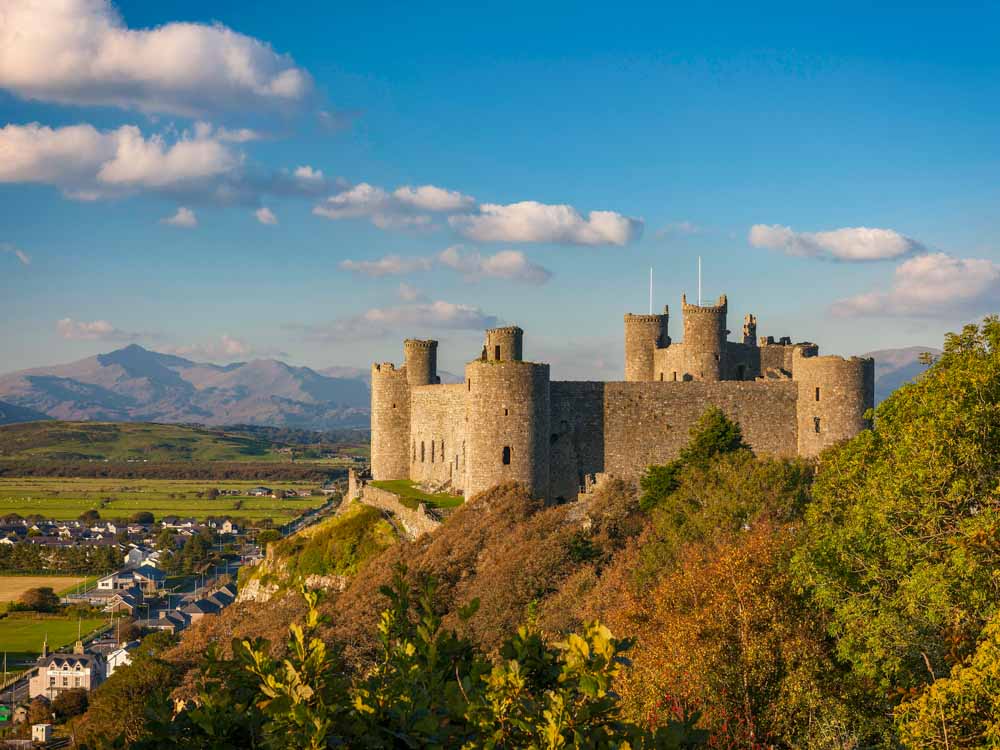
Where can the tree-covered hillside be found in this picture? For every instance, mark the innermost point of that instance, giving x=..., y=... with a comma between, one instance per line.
x=747, y=602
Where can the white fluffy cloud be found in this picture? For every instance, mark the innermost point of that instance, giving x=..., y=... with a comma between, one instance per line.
x=431, y=198
x=88, y=164
x=265, y=216
x=390, y=265
x=409, y=293
x=850, y=244
x=512, y=265
x=405, y=208
x=80, y=52
x=929, y=285
x=411, y=317
x=95, y=330
x=6, y=247
x=184, y=218
x=530, y=221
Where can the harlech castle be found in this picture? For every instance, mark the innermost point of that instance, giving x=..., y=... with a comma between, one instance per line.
x=507, y=421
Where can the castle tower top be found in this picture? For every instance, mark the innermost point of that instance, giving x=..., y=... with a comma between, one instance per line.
x=421, y=361
x=705, y=338
x=504, y=344
x=721, y=306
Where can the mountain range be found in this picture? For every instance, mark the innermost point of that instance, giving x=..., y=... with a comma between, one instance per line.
x=134, y=384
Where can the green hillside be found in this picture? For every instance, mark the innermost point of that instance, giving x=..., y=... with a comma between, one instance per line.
x=124, y=441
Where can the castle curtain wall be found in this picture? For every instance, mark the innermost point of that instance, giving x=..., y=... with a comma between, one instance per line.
x=437, y=434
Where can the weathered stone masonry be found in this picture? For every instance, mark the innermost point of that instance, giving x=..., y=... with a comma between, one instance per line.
x=509, y=422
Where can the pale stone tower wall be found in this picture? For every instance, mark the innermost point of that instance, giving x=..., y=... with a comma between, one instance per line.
x=421, y=361
x=644, y=334
x=705, y=339
x=833, y=395
x=390, y=422
x=508, y=424
x=504, y=344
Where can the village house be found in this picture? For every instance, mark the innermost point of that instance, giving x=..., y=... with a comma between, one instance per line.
x=60, y=671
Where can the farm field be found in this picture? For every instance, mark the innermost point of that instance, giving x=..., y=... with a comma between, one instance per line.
x=11, y=587
x=65, y=499
x=21, y=636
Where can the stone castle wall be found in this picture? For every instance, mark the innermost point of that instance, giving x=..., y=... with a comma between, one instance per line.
x=390, y=422
x=437, y=434
x=833, y=396
x=621, y=428
x=508, y=423
x=644, y=334
x=705, y=339
x=414, y=522
x=508, y=416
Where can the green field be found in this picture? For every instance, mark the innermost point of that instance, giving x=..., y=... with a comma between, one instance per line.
x=65, y=499
x=410, y=495
x=124, y=441
x=21, y=637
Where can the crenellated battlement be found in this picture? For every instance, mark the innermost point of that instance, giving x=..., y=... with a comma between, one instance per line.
x=508, y=422
x=420, y=344
x=721, y=306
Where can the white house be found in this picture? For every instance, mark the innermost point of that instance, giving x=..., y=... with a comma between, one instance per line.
x=120, y=657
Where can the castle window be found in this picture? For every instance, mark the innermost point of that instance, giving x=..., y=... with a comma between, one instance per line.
x=421, y=451
x=393, y=406
x=506, y=412
x=661, y=377
x=432, y=451
x=817, y=393
x=414, y=451
x=469, y=382
x=675, y=377
x=816, y=423
x=506, y=455
x=496, y=352
x=442, y=451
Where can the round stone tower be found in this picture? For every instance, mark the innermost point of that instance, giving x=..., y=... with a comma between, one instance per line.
x=421, y=361
x=507, y=424
x=503, y=344
x=833, y=395
x=705, y=339
x=390, y=422
x=643, y=335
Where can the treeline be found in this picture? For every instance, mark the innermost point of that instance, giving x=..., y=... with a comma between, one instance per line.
x=200, y=470
x=24, y=558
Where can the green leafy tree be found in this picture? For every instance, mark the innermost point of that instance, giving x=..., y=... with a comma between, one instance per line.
x=428, y=688
x=902, y=541
x=41, y=599
x=713, y=434
x=69, y=703
x=961, y=710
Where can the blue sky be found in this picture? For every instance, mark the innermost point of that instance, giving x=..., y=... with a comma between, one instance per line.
x=861, y=143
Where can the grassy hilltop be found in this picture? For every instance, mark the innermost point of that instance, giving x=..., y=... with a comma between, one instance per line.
x=125, y=441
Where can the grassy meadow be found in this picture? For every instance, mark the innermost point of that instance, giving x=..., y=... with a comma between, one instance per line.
x=22, y=633
x=410, y=495
x=66, y=498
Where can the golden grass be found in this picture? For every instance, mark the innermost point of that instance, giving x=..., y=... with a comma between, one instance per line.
x=11, y=587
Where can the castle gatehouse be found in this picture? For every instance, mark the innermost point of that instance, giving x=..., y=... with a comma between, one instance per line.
x=509, y=422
